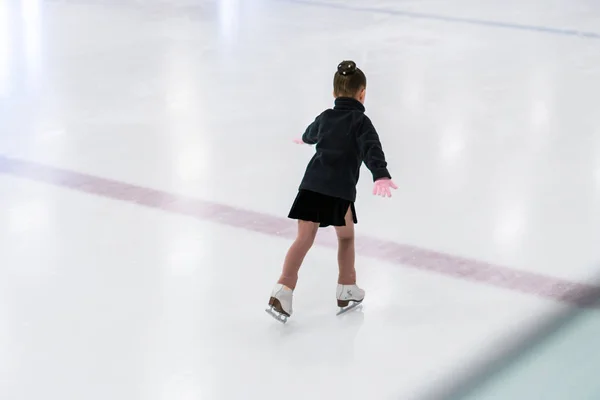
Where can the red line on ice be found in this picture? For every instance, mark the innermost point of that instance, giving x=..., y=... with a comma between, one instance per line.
x=579, y=294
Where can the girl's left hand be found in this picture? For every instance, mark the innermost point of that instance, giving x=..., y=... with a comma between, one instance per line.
x=382, y=187
x=298, y=141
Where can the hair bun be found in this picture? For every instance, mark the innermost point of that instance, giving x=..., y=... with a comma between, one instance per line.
x=347, y=68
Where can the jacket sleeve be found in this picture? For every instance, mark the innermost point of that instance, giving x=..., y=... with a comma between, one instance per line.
x=371, y=151
x=311, y=135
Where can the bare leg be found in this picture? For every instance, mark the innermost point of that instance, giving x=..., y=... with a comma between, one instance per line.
x=307, y=231
x=345, y=234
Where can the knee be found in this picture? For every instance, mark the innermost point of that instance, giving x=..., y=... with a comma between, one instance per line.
x=306, y=239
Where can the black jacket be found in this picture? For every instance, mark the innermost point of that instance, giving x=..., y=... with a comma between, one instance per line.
x=344, y=138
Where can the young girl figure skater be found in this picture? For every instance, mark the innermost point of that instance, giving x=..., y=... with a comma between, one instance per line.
x=345, y=138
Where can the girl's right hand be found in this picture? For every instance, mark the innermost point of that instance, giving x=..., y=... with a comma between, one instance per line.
x=298, y=141
x=382, y=187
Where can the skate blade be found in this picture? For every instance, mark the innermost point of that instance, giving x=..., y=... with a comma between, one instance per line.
x=279, y=317
x=354, y=305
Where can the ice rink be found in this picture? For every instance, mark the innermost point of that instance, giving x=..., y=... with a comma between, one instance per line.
x=147, y=168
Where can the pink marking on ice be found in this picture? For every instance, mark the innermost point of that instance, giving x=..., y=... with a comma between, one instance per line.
x=574, y=293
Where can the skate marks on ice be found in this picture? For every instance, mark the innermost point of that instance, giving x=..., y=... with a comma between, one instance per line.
x=565, y=291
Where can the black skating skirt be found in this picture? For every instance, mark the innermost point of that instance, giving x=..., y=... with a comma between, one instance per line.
x=317, y=207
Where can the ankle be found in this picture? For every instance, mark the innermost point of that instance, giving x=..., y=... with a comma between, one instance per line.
x=287, y=285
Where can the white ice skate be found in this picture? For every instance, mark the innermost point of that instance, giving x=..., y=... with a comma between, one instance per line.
x=347, y=294
x=280, y=303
